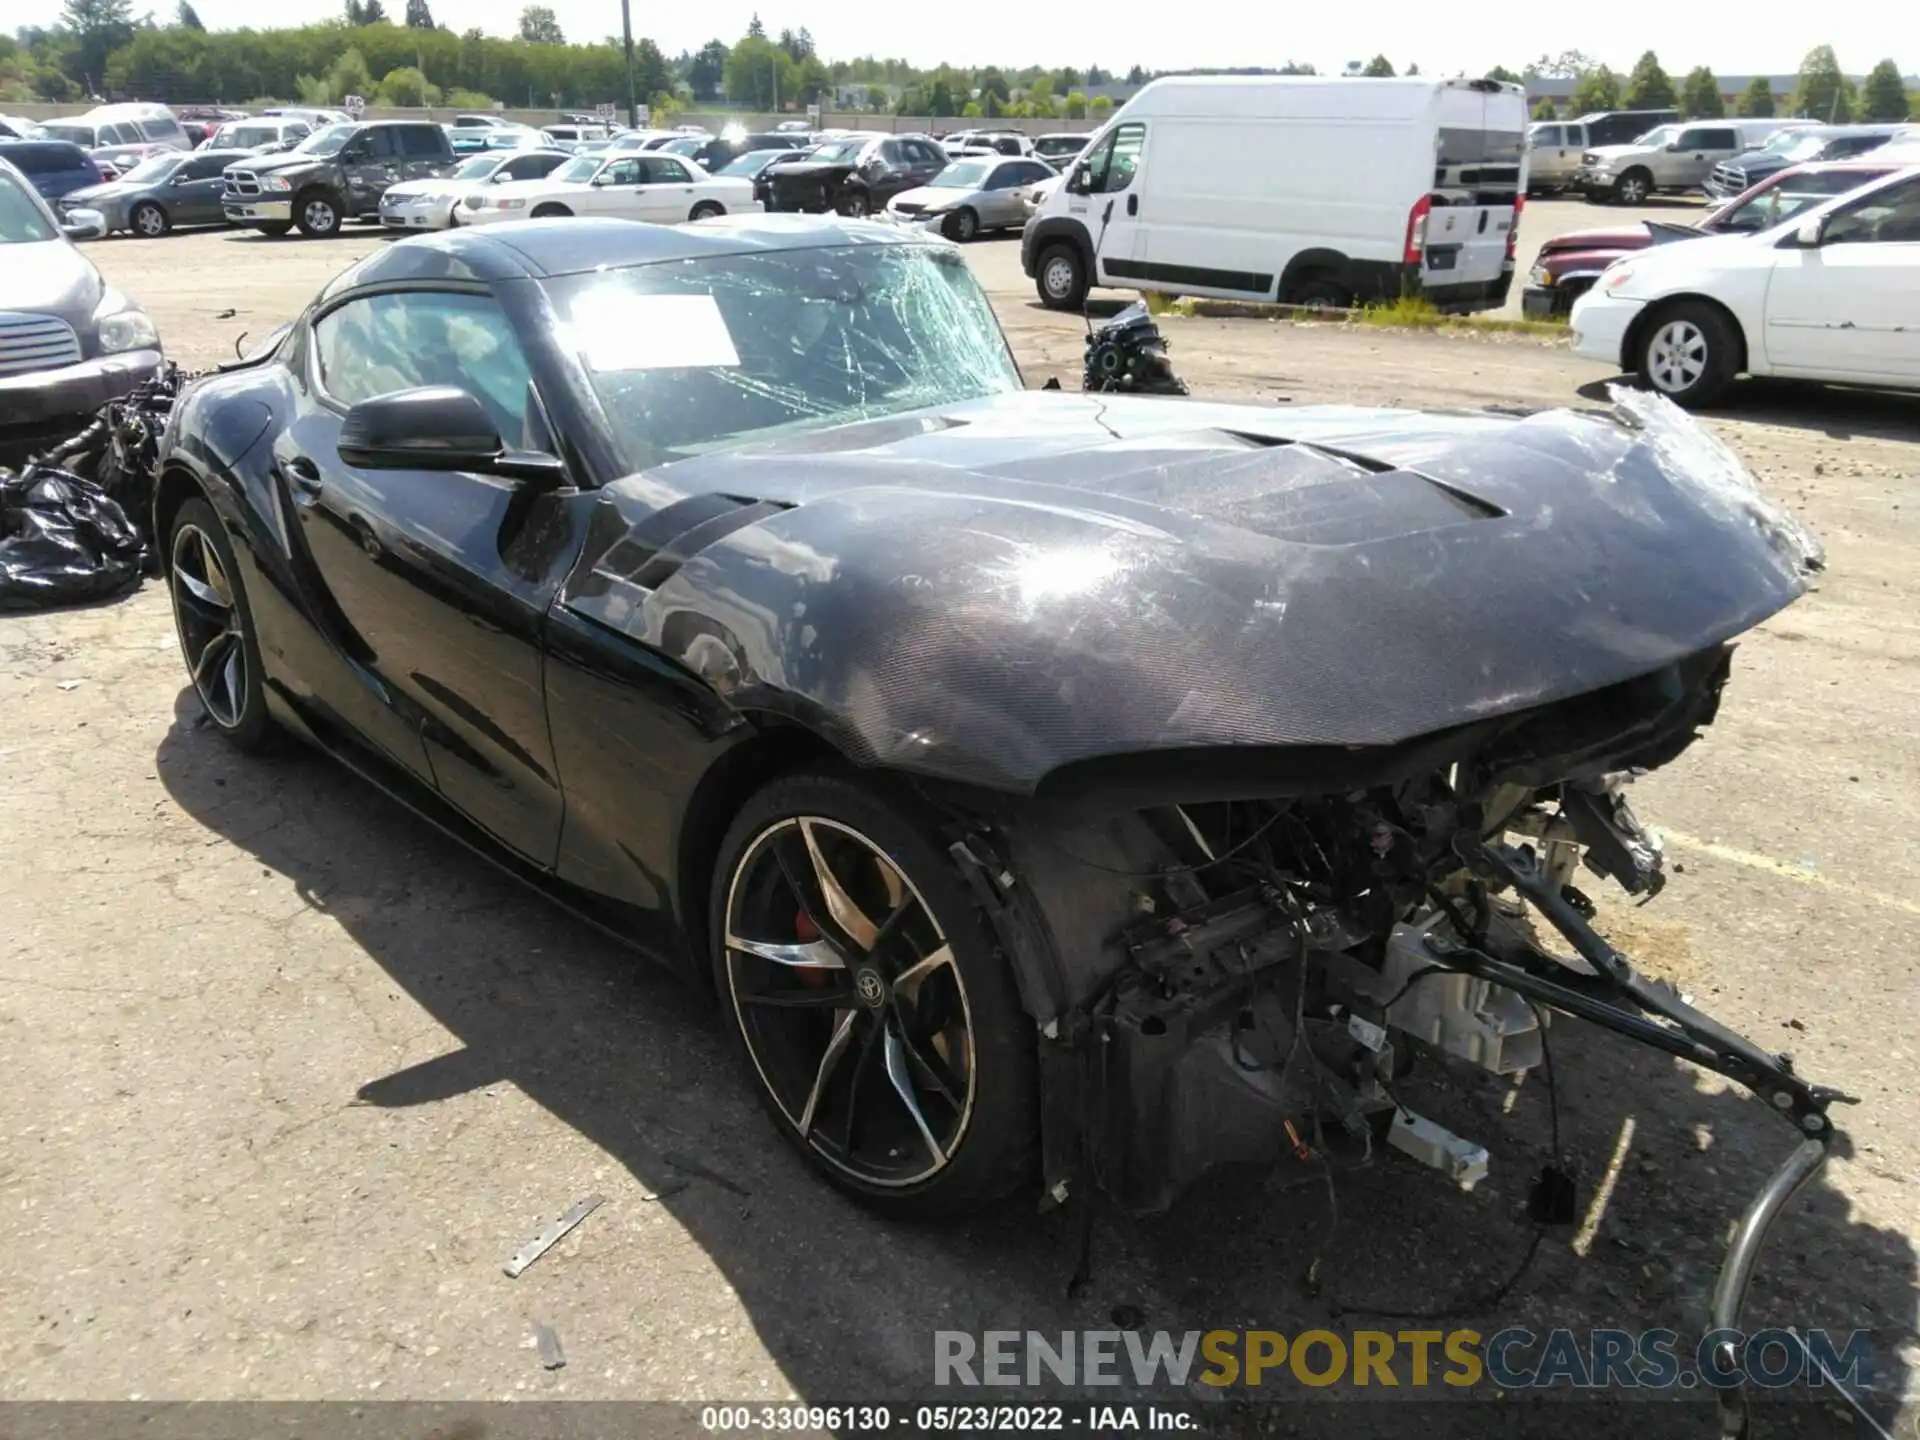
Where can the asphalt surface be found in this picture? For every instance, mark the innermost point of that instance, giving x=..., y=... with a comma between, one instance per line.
x=289, y=1076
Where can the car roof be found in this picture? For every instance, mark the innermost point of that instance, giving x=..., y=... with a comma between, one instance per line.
x=546, y=249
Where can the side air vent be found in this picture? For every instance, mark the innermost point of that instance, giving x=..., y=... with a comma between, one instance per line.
x=625, y=560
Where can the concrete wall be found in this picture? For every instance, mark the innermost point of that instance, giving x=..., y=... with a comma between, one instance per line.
x=714, y=120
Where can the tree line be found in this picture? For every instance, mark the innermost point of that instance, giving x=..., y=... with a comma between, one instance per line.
x=100, y=49
x=1822, y=91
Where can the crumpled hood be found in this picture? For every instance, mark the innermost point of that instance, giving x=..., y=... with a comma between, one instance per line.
x=994, y=590
x=51, y=278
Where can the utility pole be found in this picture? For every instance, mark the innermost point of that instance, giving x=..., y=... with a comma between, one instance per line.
x=626, y=40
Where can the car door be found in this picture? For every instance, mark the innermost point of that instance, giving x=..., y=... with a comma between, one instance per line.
x=668, y=189
x=437, y=582
x=1693, y=154
x=1107, y=200
x=1000, y=199
x=1849, y=308
x=1547, y=160
x=423, y=151
x=371, y=163
x=616, y=190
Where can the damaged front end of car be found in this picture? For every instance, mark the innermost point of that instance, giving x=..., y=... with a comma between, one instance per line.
x=1214, y=976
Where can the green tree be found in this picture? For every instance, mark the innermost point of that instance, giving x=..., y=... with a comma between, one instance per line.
x=373, y=12
x=1075, y=106
x=912, y=101
x=1543, y=109
x=707, y=73
x=539, y=27
x=1884, y=96
x=1415, y=70
x=1756, y=101
x=187, y=17
x=757, y=73
x=1297, y=67
x=876, y=99
x=755, y=29
x=1379, y=66
x=406, y=86
x=1136, y=76
x=419, y=17
x=349, y=75
x=992, y=82
x=972, y=111
x=1598, y=89
x=990, y=105
x=1700, y=95
x=1649, y=87
x=1822, y=91
x=1099, y=107
x=467, y=100
x=99, y=27
x=811, y=80
x=940, y=99
x=1504, y=75
x=1067, y=78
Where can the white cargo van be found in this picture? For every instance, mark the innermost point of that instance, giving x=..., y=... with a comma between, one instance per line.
x=1303, y=189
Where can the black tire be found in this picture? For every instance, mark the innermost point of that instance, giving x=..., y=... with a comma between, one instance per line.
x=1688, y=352
x=1633, y=188
x=962, y=226
x=1320, y=292
x=1060, y=276
x=706, y=210
x=991, y=1147
x=235, y=700
x=274, y=228
x=551, y=212
x=856, y=204
x=317, y=214
x=149, y=220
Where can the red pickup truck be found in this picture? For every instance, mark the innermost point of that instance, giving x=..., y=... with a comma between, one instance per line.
x=1568, y=264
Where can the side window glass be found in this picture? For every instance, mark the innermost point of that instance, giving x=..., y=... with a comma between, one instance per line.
x=625, y=172
x=387, y=343
x=379, y=143
x=669, y=172
x=421, y=141
x=1122, y=158
x=1886, y=217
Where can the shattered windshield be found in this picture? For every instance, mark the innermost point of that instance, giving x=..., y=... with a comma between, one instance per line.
x=839, y=153
x=706, y=354
x=326, y=142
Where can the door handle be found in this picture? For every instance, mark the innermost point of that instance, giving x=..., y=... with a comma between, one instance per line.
x=302, y=476
x=1133, y=205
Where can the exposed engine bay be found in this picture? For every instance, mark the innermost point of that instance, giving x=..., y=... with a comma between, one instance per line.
x=1217, y=976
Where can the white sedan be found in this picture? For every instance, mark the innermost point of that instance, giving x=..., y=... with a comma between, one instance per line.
x=661, y=188
x=430, y=204
x=1833, y=294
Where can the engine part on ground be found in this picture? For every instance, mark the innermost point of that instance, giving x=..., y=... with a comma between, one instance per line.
x=74, y=523
x=1128, y=354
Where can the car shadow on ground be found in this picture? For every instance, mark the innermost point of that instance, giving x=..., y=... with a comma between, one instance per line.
x=1835, y=411
x=847, y=1305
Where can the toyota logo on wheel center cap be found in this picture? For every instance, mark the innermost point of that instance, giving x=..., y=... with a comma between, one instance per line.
x=871, y=989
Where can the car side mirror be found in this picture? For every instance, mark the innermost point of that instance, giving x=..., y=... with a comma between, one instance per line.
x=1077, y=180
x=437, y=427
x=1810, y=234
x=182, y=180
x=1673, y=147
x=83, y=224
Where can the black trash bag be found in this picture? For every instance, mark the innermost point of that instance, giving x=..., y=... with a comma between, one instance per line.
x=120, y=450
x=63, y=539
x=1129, y=355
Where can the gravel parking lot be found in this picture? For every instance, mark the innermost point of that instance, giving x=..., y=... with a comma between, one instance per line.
x=291, y=1075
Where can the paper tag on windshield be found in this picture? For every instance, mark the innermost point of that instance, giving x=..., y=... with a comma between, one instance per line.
x=620, y=330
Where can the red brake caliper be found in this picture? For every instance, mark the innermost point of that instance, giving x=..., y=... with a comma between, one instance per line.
x=805, y=930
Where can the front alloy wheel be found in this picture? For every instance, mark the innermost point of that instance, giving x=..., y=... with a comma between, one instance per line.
x=214, y=623
x=883, y=1028
x=318, y=217
x=1631, y=189
x=1687, y=353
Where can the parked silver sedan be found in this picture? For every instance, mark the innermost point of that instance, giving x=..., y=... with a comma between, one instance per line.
x=971, y=196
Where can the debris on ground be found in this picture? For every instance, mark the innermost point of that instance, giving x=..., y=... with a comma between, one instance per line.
x=73, y=523
x=552, y=1357
x=549, y=1237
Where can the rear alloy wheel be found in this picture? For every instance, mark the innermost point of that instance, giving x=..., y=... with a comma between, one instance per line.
x=317, y=216
x=879, y=1019
x=1061, y=278
x=706, y=210
x=1687, y=353
x=855, y=205
x=149, y=220
x=1632, y=188
x=215, y=626
x=961, y=226
x=551, y=212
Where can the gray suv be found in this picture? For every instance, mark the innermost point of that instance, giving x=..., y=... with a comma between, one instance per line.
x=334, y=175
x=1668, y=157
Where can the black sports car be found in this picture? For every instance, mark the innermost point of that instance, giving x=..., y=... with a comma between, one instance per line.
x=1028, y=773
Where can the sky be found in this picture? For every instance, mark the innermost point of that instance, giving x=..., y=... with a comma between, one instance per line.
x=1771, y=37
